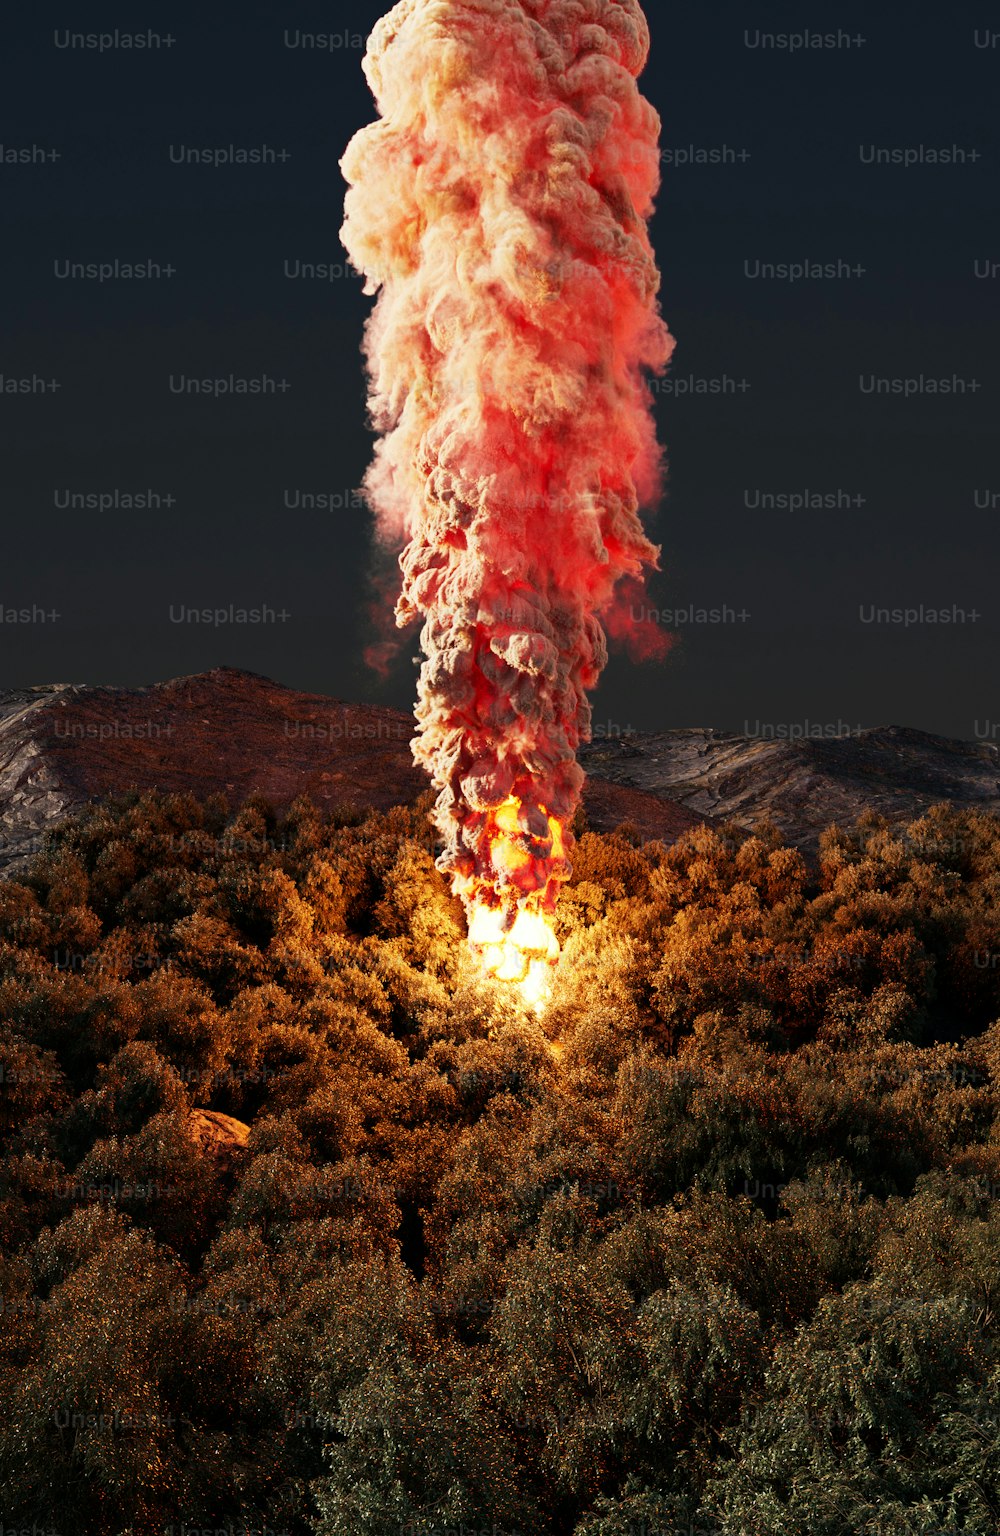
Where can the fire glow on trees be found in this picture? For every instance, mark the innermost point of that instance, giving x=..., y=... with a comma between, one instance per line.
x=499, y=209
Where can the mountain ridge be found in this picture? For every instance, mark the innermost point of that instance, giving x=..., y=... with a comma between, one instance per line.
x=237, y=732
x=803, y=786
x=233, y=732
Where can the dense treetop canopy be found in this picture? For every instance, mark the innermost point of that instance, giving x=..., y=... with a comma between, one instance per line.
x=712, y=1247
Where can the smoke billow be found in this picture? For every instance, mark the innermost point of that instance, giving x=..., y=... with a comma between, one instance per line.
x=499, y=209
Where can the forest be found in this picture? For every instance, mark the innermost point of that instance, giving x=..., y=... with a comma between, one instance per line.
x=306, y=1229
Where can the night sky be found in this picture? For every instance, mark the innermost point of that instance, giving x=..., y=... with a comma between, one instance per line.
x=912, y=484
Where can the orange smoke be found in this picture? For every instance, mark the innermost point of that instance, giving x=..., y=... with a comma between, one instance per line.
x=499, y=209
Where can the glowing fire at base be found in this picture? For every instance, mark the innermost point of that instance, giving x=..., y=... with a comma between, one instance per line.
x=522, y=953
x=510, y=911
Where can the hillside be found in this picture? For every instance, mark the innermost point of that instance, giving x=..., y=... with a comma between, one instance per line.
x=803, y=786
x=235, y=733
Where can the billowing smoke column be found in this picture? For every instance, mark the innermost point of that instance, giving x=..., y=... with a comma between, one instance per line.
x=499, y=210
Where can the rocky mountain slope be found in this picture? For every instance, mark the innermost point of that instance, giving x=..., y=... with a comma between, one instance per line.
x=230, y=731
x=806, y=785
x=235, y=732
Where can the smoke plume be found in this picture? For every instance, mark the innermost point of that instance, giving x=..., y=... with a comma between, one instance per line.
x=499, y=210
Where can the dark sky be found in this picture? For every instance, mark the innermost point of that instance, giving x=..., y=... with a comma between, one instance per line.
x=915, y=482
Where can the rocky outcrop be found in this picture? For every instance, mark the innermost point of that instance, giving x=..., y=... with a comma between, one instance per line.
x=218, y=1136
x=32, y=797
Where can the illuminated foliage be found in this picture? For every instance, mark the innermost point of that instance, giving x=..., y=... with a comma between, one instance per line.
x=711, y=1246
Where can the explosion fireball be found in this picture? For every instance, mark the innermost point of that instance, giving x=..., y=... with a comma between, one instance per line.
x=499, y=210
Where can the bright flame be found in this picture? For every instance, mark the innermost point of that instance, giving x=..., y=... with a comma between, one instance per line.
x=522, y=951
x=510, y=916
